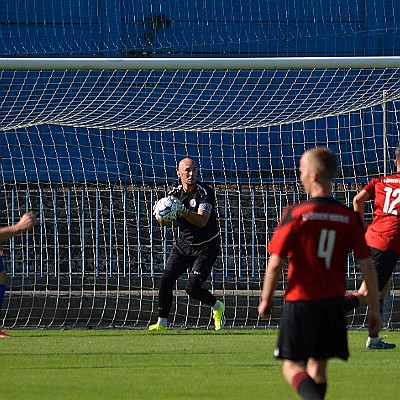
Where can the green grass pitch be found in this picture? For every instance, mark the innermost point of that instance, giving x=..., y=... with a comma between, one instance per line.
x=178, y=364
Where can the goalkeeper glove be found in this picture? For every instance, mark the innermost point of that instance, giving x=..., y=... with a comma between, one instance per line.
x=181, y=208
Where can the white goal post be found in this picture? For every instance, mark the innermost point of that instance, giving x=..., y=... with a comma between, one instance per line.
x=92, y=143
x=198, y=63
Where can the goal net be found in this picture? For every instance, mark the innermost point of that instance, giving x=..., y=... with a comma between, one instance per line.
x=91, y=144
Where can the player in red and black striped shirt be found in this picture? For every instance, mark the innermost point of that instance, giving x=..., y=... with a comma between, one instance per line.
x=317, y=236
x=383, y=237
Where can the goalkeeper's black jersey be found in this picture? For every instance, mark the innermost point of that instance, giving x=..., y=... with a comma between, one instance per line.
x=201, y=197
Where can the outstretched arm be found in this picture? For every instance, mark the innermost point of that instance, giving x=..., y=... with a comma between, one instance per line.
x=26, y=222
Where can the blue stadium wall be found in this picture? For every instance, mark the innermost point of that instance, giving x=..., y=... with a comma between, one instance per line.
x=262, y=28
x=236, y=28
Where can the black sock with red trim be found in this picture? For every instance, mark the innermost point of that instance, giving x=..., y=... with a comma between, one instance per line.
x=351, y=302
x=306, y=387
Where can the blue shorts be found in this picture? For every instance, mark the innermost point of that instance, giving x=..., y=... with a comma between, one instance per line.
x=2, y=266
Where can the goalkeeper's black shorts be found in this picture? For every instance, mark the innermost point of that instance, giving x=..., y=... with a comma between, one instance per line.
x=185, y=257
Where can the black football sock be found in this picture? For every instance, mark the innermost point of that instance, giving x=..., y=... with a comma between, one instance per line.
x=351, y=302
x=322, y=389
x=306, y=387
x=381, y=306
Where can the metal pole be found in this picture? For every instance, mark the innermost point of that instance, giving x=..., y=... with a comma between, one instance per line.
x=385, y=133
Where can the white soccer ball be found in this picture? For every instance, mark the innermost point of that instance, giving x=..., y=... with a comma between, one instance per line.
x=166, y=209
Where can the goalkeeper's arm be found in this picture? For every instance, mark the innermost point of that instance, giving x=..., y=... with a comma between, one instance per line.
x=199, y=218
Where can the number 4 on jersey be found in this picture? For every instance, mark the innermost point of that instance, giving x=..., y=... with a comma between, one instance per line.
x=326, y=245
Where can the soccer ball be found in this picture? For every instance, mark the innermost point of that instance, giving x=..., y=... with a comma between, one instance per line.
x=166, y=209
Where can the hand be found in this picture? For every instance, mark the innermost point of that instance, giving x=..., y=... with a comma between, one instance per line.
x=162, y=222
x=27, y=221
x=182, y=210
x=265, y=308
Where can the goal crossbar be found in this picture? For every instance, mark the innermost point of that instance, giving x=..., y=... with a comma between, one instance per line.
x=258, y=63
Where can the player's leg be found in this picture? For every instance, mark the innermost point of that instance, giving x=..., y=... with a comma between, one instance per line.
x=316, y=369
x=385, y=262
x=303, y=384
x=195, y=290
x=202, y=266
x=360, y=298
x=200, y=271
x=326, y=330
x=3, y=287
x=175, y=266
x=383, y=293
x=375, y=342
x=296, y=339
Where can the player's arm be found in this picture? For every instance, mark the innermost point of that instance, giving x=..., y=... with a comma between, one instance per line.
x=359, y=202
x=374, y=316
x=26, y=222
x=271, y=278
x=199, y=218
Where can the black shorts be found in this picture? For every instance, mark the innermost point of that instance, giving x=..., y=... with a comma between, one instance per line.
x=198, y=259
x=385, y=262
x=316, y=329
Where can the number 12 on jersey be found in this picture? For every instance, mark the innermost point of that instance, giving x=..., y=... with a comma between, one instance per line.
x=389, y=205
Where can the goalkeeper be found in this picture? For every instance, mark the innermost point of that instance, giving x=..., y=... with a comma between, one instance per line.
x=196, y=248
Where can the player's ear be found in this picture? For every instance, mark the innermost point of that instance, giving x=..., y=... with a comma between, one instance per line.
x=314, y=176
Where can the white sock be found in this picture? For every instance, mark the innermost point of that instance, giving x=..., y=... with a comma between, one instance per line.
x=162, y=321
